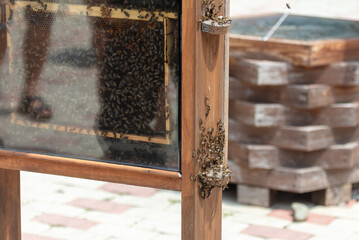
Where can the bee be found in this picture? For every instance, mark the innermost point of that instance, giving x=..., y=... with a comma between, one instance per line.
x=208, y=109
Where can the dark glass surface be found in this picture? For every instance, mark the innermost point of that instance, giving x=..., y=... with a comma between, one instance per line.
x=92, y=79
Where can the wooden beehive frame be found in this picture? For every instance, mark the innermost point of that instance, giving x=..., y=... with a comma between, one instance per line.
x=204, y=75
x=2, y=14
x=95, y=11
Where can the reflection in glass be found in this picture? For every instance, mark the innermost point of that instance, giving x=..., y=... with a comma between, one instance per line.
x=92, y=79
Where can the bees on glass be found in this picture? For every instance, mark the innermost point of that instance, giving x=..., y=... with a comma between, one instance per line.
x=133, y=95
x=129, y=59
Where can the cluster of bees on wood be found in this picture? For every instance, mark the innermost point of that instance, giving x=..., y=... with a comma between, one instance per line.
x=210, y=155
x=211, y=12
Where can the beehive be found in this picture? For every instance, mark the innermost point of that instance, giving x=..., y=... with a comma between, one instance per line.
x=293, y=128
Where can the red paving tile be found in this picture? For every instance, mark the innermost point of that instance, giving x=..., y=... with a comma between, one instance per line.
x=26, y=236
x=312, y=217
x=102, y=206
x=282, y=213
x=351, y=203
x=277, y=233
x=128, y=189
x=60, y=220
x=320, y=219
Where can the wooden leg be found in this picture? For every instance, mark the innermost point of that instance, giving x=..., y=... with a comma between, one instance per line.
x=10, y=220
x=333, y=195
x=252, y=195
x=201, y=218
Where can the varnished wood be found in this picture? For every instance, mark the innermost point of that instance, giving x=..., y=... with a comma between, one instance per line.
x=93, y=11
x=202, y=76
x=90, y=170
x=293, y=51
x=302, y=53
x=10, y=222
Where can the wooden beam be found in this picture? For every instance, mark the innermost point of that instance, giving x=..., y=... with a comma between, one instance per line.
x=10, y=205
x=307, y=138
x=254, y=156
x=276, y=73
x=257, y=114
x=297, y=180
x=95, y=11
x=333, y=195
x=259, y=72
x=337, y=156
x=297, y=52
x=253, y=195
x=90, y=169
x=300, y=53
x=307, y=96
x=202, y=76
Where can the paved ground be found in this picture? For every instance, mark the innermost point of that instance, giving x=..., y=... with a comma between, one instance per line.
x=65, y=208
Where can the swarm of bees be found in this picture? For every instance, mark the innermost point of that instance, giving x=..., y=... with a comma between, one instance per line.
x=211, y=13
x=132, y=86
x=129, y=57
x=210, y=154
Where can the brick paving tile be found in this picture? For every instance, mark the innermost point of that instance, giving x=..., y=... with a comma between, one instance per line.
x=276, y=233
x=320, y=219
x=312, y=217
x=282, y=213
x=102, y=206
x=59, y=220
x=351, y=203
x=26, y=236
x=127, y=189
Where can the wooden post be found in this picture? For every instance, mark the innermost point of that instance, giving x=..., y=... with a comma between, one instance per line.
x=10, y=220
x=10, y=204
x=202, y=78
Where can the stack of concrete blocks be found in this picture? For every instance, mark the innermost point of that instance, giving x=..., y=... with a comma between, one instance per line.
x=293, y=129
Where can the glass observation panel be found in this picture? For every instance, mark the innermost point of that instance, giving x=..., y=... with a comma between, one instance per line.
x=92, y=79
